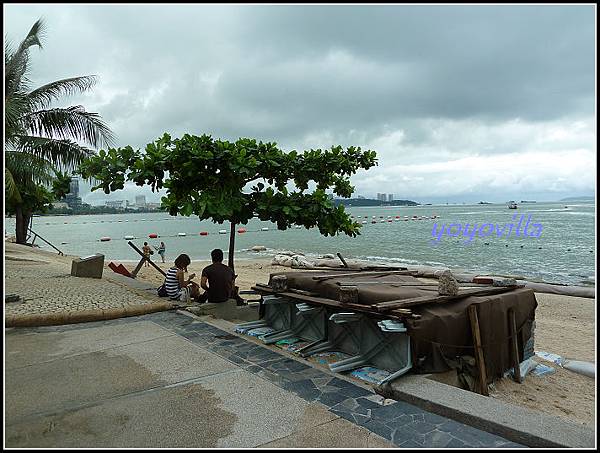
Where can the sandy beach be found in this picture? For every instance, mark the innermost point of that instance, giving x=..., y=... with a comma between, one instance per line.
x=564, y=326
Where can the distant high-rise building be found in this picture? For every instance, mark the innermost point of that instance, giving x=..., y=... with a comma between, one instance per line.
x=140, y=201
x=72, y=198
x=390, y=197
x=381, y=197
x=74, y=187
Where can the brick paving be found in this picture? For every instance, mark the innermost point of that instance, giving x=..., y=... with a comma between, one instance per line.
x=46, y=287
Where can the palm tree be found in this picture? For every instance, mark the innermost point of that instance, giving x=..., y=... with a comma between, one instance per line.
x=41, y=140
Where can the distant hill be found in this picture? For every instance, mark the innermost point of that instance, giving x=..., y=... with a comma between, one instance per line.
x=586, y=198
x=370, y=202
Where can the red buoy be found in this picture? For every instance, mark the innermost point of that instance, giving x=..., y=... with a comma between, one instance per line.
x=153, y=235
x=203, y=233
x=241, y=230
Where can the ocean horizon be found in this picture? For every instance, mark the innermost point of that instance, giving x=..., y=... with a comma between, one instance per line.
x=563, y=253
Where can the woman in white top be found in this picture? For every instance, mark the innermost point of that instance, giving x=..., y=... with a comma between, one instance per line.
x=178, y=288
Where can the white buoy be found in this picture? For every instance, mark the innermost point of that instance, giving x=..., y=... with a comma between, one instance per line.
x=264, y=229
x=129, y=237
x=180, y=234
x=222, y=231
x=364, y=221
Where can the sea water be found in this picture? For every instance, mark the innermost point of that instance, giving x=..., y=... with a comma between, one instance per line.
x=563, y=253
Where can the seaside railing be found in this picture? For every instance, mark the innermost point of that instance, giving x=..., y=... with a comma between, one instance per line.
x=35, y=236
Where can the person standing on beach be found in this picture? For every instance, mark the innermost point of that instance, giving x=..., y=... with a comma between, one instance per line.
x=217, y=280
x=161, y=250
x=147, y=251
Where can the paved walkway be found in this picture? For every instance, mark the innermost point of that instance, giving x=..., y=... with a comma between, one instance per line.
x=168, y=380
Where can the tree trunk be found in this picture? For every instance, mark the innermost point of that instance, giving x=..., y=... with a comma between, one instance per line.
x=231, y=246
x=22, y=224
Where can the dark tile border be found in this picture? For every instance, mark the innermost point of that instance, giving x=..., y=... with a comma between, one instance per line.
x=401, y=423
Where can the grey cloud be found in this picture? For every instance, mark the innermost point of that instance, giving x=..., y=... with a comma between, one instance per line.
x=415, y=83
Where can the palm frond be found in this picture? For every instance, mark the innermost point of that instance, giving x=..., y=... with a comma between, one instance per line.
x=63, y=154
x=28, y=169
x=69, y=123
x=42, y=97
x=15, y=107
x=16, y=63
x=11, y=190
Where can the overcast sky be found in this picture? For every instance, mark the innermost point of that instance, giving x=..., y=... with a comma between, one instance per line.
x=461, y=103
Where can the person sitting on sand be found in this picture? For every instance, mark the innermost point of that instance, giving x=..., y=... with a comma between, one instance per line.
x=147, y=251
x=177, y=287
x=217, y=279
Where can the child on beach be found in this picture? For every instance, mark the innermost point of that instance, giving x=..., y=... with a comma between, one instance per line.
x=147, y=251
x=161, y=250
x=176, y=286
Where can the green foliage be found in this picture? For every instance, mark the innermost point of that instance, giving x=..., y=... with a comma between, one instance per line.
x=33, y=199
x=61, y=185
x=236, y=181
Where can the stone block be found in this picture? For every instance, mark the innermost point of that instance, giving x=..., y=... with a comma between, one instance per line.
x=89, y=266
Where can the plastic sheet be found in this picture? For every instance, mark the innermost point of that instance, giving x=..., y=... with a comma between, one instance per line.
x=580, y=367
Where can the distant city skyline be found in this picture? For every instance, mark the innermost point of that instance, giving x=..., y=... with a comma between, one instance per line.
x=154, y=198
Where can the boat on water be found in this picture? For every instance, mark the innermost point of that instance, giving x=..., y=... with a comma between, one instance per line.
x=512, y=205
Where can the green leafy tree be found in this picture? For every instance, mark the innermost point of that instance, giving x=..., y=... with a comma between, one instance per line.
x=61, y=185
x=236, y=181
x=41, y=140
x=33, y=199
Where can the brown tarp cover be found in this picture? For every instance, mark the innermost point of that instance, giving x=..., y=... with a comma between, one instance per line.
x=444, y=331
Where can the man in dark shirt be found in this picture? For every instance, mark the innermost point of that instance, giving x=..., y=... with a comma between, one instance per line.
x=217, y=279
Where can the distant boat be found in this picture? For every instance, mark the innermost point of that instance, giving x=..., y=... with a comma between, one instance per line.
x=512, y=205
x=484, y=202
x=528, y=201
